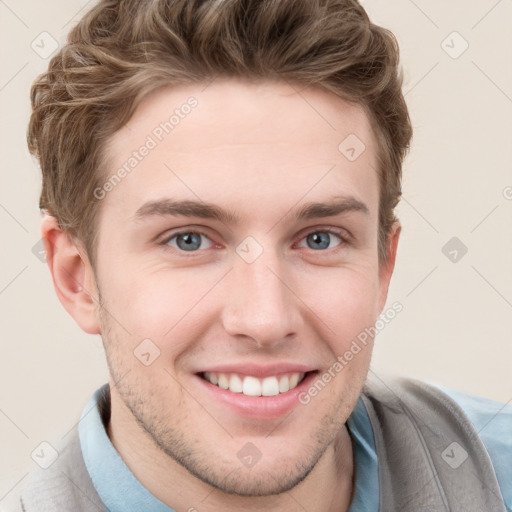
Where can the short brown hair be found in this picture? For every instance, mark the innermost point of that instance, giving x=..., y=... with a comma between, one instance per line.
x=123, y=49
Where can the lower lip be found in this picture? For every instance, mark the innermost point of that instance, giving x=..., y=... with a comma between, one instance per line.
x=259, y=407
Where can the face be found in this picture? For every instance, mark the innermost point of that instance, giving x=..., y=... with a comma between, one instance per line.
x=236, y=261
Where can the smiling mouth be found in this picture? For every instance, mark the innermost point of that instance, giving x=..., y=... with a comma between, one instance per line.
x=254, y=386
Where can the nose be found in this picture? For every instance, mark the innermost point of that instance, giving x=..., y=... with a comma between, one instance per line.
x=261, y=304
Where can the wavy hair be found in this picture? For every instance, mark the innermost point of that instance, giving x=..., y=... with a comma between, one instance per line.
x=121, y=50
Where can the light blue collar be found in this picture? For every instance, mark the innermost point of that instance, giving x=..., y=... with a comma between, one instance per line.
x=116, y=485
x=366, y=492
x=120, y=491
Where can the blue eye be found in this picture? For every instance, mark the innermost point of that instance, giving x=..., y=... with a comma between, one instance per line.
x=318, y=240
x=194, y=241
x=188, y=241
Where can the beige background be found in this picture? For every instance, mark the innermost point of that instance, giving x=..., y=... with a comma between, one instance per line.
x=455, y=325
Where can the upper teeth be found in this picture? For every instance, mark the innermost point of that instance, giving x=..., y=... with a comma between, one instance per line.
x=252, y=386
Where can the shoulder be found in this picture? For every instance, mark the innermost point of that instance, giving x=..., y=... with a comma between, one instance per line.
x=62, y=482
x=493, y=422
x=482, y=421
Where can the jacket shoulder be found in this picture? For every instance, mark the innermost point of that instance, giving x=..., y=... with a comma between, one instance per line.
x=493, y=422
x=65, y=485
x=419, y=429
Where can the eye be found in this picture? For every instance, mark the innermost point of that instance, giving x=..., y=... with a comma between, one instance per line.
x=321, y=239
x=188, y=241
x=194, y=241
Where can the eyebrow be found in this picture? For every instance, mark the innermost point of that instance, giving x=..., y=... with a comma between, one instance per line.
x=189, y=208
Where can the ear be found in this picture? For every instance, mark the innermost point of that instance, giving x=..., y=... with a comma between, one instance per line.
x=387, y=267
x=72, y=274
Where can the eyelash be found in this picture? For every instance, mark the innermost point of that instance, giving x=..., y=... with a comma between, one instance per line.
x=344, y=240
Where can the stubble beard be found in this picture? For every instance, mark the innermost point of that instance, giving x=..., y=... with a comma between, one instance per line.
x=230, y=477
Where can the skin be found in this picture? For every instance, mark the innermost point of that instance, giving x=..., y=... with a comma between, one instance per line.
x=260, y=150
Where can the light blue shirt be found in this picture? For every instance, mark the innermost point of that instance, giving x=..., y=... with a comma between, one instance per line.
x=120, y=491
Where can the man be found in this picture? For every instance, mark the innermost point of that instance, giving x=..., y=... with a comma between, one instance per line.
x=219, y=180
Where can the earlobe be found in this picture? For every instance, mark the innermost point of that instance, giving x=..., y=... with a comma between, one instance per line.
x=386, y=270
x=72, y=274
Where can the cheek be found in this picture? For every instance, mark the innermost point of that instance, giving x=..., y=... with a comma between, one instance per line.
x=169, y=304
x=347, y=303
x=160, y=304
x=349, y=307
x=169, y=307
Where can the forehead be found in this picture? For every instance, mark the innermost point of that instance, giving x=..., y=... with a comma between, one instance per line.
x=233, y=136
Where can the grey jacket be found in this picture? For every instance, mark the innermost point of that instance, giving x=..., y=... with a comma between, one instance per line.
x=430, y=458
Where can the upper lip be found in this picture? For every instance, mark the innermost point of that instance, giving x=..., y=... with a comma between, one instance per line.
x=258, y=370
